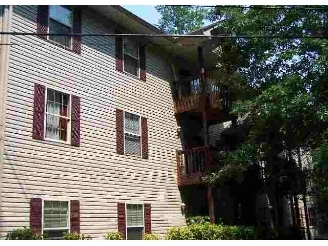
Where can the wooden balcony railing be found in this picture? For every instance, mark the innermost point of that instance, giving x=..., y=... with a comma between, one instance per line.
x=190, y=97
x=193, y=163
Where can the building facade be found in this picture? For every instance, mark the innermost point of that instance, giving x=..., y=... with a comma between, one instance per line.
x=89, y=135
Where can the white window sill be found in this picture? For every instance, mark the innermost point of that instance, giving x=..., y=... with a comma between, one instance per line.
x=57, y=141
x=131, y=75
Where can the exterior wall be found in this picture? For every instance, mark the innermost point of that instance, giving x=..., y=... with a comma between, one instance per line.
x=92, y=173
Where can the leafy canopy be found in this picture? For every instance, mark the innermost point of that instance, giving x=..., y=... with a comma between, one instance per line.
x=181, y=19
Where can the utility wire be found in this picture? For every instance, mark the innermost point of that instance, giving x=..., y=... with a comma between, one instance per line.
x=264, y=7
x=174, y=36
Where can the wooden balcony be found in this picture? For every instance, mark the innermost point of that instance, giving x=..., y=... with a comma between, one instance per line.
x=190, y=97
x=193, y=163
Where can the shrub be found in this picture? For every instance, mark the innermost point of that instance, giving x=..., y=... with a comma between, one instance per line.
x=151, y=236
x=179, y=233
x=209, y=231
x=197, y=220
x=76, y=236
x=113, y=236
x=23, y=234
x=206, y=231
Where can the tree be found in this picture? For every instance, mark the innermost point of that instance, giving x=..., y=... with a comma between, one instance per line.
x=279, y=83
x=181, y=19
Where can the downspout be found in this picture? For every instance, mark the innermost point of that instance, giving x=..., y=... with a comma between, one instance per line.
x=6, y=15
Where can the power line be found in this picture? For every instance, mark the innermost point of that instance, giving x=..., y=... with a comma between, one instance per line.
x=174, y=36
x=265, y=7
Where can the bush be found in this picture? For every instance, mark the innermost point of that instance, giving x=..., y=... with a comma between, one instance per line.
x=209, y=231
x=113, y=236
x=23, y=234
x=179, y=233
x=76, y=236
x=151, y=236
x=197, y=220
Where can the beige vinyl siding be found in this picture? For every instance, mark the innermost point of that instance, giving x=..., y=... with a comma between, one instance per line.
x=92, y=173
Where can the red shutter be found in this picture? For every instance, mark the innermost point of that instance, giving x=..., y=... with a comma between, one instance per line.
x=38, y=111
x=75, y=216
x=144, y=138
x=147, y=217
x=75, y=133
x=36, y=215
x=42, y=20
x=119, y=132
x=77, y=28
x=121, y=221
x=119, y=53
x=142, y=53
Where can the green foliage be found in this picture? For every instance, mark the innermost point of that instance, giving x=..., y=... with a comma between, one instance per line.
x=76, y=236
x=151, y=236
x=320, y=170
x=197, y=220
x=23, y=234
x=179, y=233
x=181, y=19
x=209, y=231
x=113, y=236
x=320, y=158
x=235, y=164
x=279, y=84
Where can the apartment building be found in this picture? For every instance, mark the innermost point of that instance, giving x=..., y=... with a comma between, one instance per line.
x=88, y=133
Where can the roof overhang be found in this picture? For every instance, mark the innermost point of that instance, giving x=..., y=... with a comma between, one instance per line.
x=184, y=48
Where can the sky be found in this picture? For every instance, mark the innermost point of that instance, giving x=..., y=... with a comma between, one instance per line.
x=146, y=12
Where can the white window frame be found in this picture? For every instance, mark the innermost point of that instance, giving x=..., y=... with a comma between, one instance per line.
x=137, y=76
x=69, y=122
x=68, y=228
x=126, y=218
x=132, y=133
x=48, y=36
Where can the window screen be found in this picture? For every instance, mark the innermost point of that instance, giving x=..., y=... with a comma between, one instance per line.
x=57, y=115
x=135, y=221
x=55, y=219
x=132, y=134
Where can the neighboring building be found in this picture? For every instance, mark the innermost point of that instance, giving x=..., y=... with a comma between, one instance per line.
x=88, y=129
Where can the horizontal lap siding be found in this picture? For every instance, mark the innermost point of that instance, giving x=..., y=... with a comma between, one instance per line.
x=93, y=173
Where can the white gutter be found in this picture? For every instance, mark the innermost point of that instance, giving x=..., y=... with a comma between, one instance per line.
x=5, y=21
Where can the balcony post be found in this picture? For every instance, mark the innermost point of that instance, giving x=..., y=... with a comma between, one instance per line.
x=178, y=167
x=205, y=131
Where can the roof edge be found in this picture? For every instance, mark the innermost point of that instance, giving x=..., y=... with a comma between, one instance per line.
x=138, y=19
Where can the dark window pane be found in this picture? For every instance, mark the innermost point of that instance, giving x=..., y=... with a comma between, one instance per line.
x=131, y=48
x=131, y=65
x=132, y=144
x=66, y=99
x=56, y=27
x=51, y=95
x=135, y=233
x=55, y=234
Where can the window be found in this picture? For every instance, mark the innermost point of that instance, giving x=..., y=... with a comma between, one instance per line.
x=132, y=134
x=55, y=218
x=134, y=221
x=57, y=115
x=131, y=57
x=60, y=21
